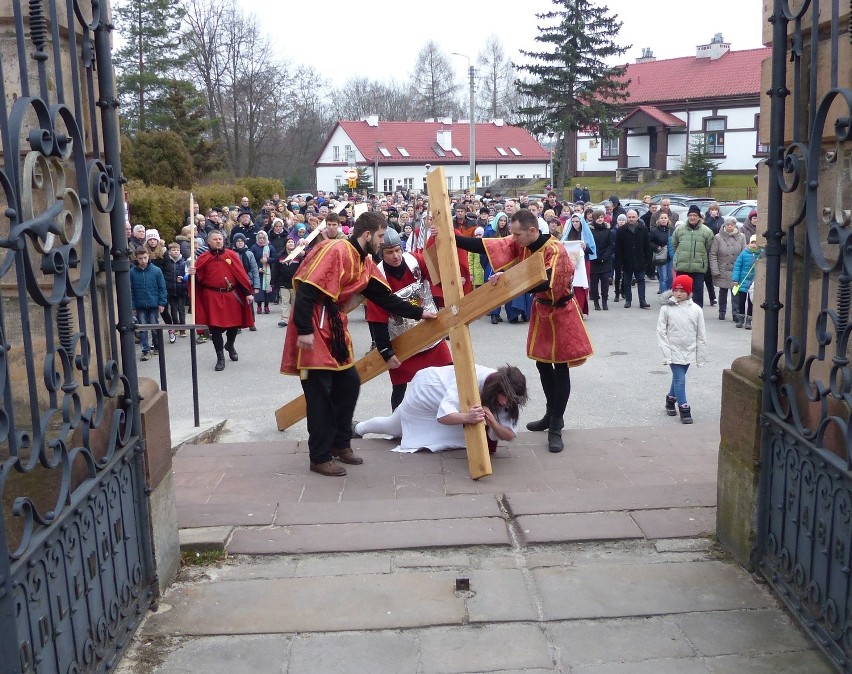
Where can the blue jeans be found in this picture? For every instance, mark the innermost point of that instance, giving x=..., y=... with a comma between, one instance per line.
x=678, y=387
x=147, y=316
x=664, y=276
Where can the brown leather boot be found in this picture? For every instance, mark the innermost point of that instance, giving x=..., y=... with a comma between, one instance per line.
x=346, y=455
x=329, y=469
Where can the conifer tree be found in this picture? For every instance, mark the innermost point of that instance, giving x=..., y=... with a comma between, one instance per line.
x=571, y=85
x=148, y=60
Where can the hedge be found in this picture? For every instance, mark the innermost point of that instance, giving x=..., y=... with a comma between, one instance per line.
x=165, y=209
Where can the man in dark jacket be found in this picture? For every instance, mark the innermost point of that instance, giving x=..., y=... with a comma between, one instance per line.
x=617, y=208
x=601, y=266
x=632, y=252
x=577, y=194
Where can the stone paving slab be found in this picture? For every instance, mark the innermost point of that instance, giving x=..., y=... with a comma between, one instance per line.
x=484, y=648
x=382, y=510
x=621, y=590
x=585, y=642
x=676, y=522
x=369, y=536
x=668, y=666
x=374, y=652
x=510, y=602
x=204, y=539
x=248, y=654
x=802, y=662
x=628, y=498
x=284, y=605
x=242, y=513
x=741, y=632
x=578, y=527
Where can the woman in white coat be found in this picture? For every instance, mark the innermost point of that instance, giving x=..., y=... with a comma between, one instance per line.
x=682, y=340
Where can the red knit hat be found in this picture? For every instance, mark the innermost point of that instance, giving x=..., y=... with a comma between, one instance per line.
x=683, y=282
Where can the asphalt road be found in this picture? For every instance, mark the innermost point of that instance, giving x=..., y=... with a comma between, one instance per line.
x=622, y=385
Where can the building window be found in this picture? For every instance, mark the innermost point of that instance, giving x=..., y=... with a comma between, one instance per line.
x=609, y=148
x=536, y=176
x=350, y=155
x=337, y=184
x=486, y=181
x=408, y=183
x=760, y=148
x=463, y=182
x=503, y=177
x=387, y=185
x=714, y=135
x=449, y=183
x=336, y=151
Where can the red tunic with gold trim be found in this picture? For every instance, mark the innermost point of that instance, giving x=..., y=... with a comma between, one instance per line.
x=436, y=356
x=222, y=288
x=557, y=333
x=336, y=269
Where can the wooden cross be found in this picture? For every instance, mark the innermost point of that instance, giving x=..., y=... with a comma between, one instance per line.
x=453, y=320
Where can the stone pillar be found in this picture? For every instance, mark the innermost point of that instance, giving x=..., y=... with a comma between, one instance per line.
x=658, y=161
x=739, y=450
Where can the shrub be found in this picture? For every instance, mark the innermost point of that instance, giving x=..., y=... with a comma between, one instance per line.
x=260, y=189
x=217, y=195
x=158, y=207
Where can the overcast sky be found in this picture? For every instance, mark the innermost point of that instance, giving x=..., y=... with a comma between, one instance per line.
x=380, y=39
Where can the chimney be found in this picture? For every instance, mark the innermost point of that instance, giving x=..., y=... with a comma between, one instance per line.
x=647, y=56
x=372, y=120
x=445, y=138
x=716, y=49
x=498, y=121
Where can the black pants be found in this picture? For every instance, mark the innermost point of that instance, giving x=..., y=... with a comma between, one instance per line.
x=177, y=309
x=744, y=303
x=711, y=291
x=330, y=397
x=397, y=394
x=599, y=287
x=697, y=285
x=216, y=337
x=556, y=383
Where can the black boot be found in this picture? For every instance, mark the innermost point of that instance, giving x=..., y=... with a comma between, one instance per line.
x=605, y=305
x=220, y=361
x=722, y=315
x=685, y=414
x=554, y=434
x=670, y=406
x=597, y=305
x=542, y=424
x=232, y=352
x=748, y=323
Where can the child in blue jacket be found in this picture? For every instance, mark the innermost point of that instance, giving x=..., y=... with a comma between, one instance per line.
x=148, y=297
x=743, y=276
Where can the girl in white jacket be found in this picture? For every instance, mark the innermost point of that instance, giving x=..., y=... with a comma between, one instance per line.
x=680, y=334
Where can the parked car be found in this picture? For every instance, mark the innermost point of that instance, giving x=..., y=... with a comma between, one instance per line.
x=741, y=212
x=679, y=199
x=726, y=207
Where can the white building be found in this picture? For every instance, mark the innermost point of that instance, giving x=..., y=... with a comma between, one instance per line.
x=397, y=153
x=714, y=95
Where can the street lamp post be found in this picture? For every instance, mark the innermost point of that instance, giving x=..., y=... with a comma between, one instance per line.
x=471, y=186
x=550, y=133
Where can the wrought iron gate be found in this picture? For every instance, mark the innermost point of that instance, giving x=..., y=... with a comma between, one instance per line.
x=805, y=515
x=76, y=565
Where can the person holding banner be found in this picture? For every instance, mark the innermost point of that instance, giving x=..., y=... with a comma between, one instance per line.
x=223, y=296
x=557, y=337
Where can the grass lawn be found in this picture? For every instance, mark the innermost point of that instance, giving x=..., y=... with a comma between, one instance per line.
x=725, y=187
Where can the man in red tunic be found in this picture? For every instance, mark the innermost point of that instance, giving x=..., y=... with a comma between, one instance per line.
x=557, y=337
x=223, y=296
x=404, y=273
x=318, y=346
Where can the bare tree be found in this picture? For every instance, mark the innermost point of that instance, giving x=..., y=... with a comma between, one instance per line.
x=236, y=64
x=362, y=96
x=434, y=90
x=498, y=97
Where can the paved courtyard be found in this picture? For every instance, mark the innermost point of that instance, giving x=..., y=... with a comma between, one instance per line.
x=596, y=560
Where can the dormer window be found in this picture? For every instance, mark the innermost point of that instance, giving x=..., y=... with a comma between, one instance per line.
x=403, y=151
x=502, y=152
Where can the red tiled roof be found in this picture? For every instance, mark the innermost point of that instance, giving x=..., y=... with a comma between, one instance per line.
x=420, y=138
x=664, y=118
x=735, y=73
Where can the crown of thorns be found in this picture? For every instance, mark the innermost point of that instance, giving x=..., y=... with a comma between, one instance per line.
x=520, y=399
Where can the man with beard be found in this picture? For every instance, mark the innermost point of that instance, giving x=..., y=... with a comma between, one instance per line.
x=404, y=273
x=318, y=346
x=557, y=338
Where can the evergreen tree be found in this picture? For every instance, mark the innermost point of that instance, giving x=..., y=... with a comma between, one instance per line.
x=365, y=180
x=158, y=158
x=189, y=120
x=572, y=87
x=698, y=162
x=148, y=60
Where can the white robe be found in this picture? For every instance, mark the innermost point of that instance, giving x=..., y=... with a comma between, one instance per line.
x=432, y=394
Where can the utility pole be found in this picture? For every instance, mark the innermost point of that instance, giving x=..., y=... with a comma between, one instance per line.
x=376, y=170
x=471, y=186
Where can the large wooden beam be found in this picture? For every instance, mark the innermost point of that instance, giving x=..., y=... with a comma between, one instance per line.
x=515, y=281
x=476, y=442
